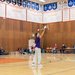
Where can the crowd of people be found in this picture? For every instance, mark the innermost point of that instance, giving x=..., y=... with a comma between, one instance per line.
x=31, y=49
x=62, y=49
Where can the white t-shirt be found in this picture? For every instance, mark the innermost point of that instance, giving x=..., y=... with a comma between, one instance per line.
x=31, y=42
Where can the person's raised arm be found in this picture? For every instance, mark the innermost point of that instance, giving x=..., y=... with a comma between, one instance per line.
x=42, y=33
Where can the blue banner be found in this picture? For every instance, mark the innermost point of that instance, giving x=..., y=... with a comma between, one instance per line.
x=50, y=6
x=74, y=2
x=33, y=5
x=37, y=6
x=70, y=3
x=8, y=1
x=54, y=5
x=28, y=4
x=14, y=2
x=45, y=7
x=24, y=3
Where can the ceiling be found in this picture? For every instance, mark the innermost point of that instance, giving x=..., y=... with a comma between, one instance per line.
x=48, y=1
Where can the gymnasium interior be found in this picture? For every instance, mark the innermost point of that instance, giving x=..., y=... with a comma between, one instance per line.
x=20, y=20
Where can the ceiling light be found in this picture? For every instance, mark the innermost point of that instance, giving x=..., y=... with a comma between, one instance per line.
x=42, y=0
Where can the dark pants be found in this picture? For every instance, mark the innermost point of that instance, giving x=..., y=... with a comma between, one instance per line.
x=62, y=50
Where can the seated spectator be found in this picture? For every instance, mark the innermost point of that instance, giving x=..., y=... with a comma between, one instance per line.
x=20, y=50
x=73, y=48
x=62, y=50
x=54, y=49
x=3, y=52
x=47, y=49
x=23, y=51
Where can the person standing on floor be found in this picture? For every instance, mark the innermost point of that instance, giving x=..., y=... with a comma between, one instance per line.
x=31, y=44
x=37, y=55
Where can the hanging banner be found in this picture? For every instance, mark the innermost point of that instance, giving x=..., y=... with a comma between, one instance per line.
x=71, y=3
x=50, y=6
x=54, y=5
x=30, y=4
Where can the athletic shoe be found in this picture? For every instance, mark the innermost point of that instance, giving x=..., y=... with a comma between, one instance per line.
x=33, y=65
x=40, y=65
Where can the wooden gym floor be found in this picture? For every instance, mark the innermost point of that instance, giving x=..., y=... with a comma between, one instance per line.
x=53, y=64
